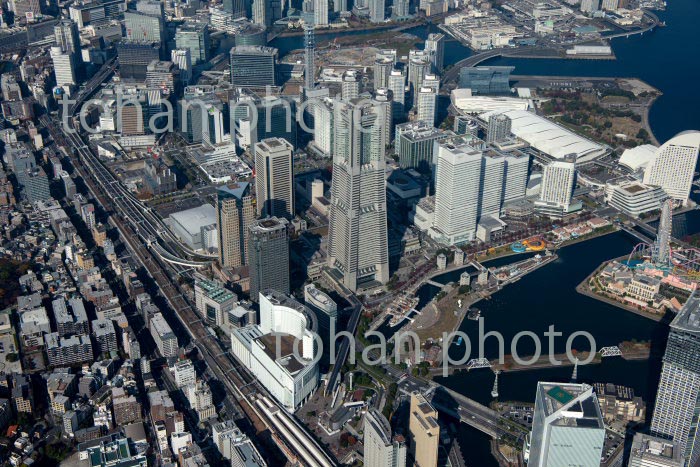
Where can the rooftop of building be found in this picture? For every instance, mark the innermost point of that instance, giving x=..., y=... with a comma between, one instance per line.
x=280, y=349
x=237, y=190
x=688, y=318
x=253, y=50
x=575, y=404
x=194, y=219
x=215, y=290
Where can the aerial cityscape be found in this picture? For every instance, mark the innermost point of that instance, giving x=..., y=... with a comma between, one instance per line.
x=375, y=233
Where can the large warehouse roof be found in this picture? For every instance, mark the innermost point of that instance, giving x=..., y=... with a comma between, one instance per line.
x=548, y=137
x=192, y=220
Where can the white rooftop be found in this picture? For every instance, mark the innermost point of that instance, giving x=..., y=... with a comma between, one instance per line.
x=549, y=137
x=194, y=219
x=638, y=157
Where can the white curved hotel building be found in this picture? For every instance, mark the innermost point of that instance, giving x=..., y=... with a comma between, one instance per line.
x=673, y=165
x=280, y=350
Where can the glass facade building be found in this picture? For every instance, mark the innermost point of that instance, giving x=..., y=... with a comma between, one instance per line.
x=486, y=80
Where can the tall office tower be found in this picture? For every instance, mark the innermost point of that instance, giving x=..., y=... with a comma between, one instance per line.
x=650, y=451
x=326, y=311
x=67, y=36
x=309, y=49
x=237, y=8
x=383, y=64
x=63, y=67
x=235, y=212
x=558, y=183
x=431, y=81
x=678, y=396
x=567, y=426
x=426, y=105
x=274, y=178
x=253, y=66
x=435, y=46
x=415, y=145
x=268, y=244
x=662, y=245
x=213, y=131
x=457, y=193
x=424, y=432
x=350, y=86
x=397, y=84
x=491, y=196
x=498, y=129
x=590, y=6
x=262, y=13
x=418, y=66
x=517, y=167
x=144, y=27
x=486, y=80
x=357, y=238
x=381, y=450
x=161, y=75
x=673, y=165
x=134, y=58
x=402, y=8
x=183, y=59
x=321, y=13
x=194, y=37
x=376, y=11
x=610, y=5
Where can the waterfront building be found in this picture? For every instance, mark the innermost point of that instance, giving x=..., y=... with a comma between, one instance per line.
x=567, y=426
x=235, y=212
x=195, y=38
x=424, y=432
x=268, y=244
x=274, y=178
x=634, y=198
x=253, y=66
x=517, y=169
x=397, y=84
x=590, y=6
x=435, y=46
x=380, y=449
x=213, y=300
x=618, y=403
x=486, y=80
x=357, y=239
x=678, y=396
x=266, y=349
x=558, y=183
x=673, y=165
x=498, y=128
x=457, y=193
x=650, y=451
x=416, y=144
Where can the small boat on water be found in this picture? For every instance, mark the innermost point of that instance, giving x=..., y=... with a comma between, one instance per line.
x=401, y=309
x=459, y=340
x=474, y=314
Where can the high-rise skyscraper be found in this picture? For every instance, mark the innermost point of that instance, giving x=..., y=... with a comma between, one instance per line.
x=183, y=59
x=678, y=397
x=402, y=8
x=435, y=46
x=558, y=183
x=673, y=165
x=235, y=212
x=424, y=432
x=376, y=10
x=67, y=36
x=415, y=145
x=357, y=238
x=321, y=13
x=194, y=37
x=340, y=5
x=383, y=64
x=253, y=66
x=262, y=13
x=350, y=86
x=142, y=27
x=397, y=84
x=418, y=66
x=381, y=450
x=236, y=7
x=426, y=105
x=63, y=67
x=268, y=243
x=567, y=426
x=274, y=178
x=662, y=245
x=498, y=129
x=309, y=46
